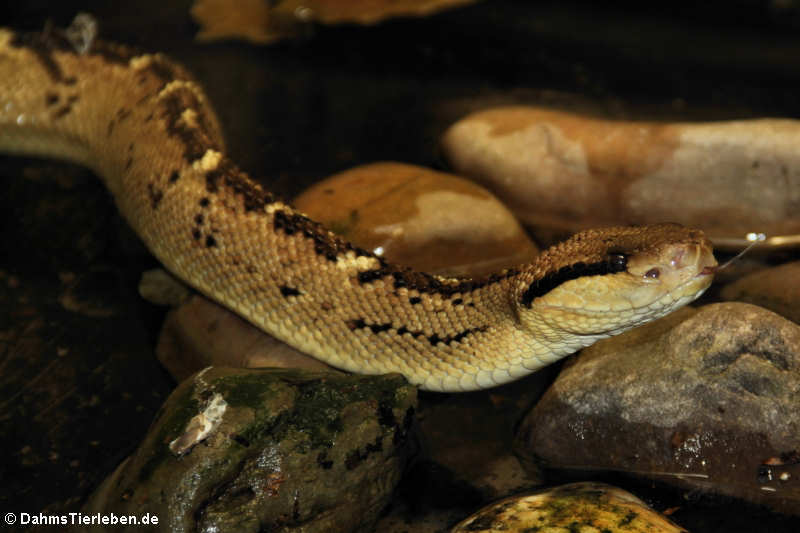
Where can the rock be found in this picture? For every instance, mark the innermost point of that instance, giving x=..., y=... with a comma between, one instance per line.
x=159, y=287
x=569, y=171
x=701, y=399
x=431, y=221
x=777, y=289
x=267, y=22
x=468, y=457
x=267, y=450
x=585, y=507
x=201, y=333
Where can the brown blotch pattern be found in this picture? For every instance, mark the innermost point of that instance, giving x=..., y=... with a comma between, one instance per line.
x=422, y=282
x=162, y=70
x=123, y=113
x=195, y=140
x=433, y=339
x=254, y=196
x=66, y=108
x=325, y=243
x=52, y=39
x=331, y=246
x=155, y=195
x=61, y=111
x=43, y=45
x=129, y=161
x=287, y=291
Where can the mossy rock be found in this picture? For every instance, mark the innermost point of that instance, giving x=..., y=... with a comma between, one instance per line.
x=268, y=450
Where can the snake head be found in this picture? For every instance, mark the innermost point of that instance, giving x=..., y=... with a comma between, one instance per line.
x=602, y=282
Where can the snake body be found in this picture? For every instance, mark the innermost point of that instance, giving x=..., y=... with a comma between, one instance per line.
x=142, y=124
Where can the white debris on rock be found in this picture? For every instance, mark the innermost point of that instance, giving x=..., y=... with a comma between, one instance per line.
x=200, y=426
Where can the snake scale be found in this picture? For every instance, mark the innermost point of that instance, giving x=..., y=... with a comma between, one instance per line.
x=142, y=124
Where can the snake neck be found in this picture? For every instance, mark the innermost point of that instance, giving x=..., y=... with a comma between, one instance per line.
x=143, y=125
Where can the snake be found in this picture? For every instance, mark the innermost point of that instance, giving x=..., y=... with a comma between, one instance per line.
x=142, y=123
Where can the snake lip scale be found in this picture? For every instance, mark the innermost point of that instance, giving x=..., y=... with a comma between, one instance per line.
x=142, y=124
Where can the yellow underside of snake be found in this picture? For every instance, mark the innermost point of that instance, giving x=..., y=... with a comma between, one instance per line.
x=142, y=124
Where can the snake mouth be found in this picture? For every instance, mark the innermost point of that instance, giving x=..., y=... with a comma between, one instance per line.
x=693, y=267
x=708, y=271
x=685, y=271
x=677, y=263
x=705, y=257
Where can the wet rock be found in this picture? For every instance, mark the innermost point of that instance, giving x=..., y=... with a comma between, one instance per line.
x=701, y=399
x=200, y=333
x=414, y=216
x=469, y=461
x=569, y=171
x=159, y=287
x=267, y=450
x=589, y=507
x=777, y=289
x=267, y=22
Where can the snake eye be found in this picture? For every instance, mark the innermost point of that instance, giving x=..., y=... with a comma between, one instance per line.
x=617, y=262
x=653, y=273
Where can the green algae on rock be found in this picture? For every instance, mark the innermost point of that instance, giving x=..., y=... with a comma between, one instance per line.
x=584, y=507
x=261, y=450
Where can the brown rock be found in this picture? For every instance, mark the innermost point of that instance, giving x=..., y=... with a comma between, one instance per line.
x=414, y=216
x=159, y=287
x=266, y=22
x=568, y=171
x=201, y=333
x=701, y=398
x=590, y=507
x=777, y=289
